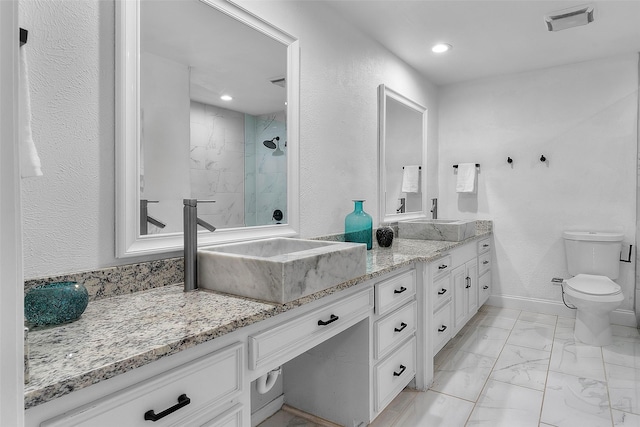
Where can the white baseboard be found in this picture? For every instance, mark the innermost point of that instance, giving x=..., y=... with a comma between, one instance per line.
x=267, y=410
x=618, y=317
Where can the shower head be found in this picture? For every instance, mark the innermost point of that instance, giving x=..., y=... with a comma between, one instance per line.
x=270, y=144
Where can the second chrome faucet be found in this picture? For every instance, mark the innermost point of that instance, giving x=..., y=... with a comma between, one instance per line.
x=191, y=222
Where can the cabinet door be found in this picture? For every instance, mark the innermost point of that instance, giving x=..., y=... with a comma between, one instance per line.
x=472, y=286
x=460, y=294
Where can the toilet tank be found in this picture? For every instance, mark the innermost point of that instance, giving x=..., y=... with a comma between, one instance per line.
x=591, y=252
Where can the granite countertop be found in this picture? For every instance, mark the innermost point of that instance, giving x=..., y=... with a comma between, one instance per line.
x=121, y=333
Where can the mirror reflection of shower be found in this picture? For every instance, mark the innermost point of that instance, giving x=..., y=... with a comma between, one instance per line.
x=274, y=146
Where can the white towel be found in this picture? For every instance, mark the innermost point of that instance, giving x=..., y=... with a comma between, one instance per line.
x=411, y=179
x=466, y=178
x=29, y=160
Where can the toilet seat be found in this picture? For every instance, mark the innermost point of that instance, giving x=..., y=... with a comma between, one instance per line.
x=590, y=284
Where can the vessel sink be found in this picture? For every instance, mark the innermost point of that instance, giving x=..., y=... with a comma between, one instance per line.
x=451, y=230
x=279, y=269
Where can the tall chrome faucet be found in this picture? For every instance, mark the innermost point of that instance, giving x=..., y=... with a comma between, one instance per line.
x=191, y=222
x=434, y=208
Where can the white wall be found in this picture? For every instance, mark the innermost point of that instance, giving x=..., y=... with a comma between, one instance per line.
x=164, y=139
x=69, y=215
x=583, y=118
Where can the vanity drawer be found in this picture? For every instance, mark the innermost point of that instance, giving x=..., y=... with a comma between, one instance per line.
x=484, y=262
x=394, y=373
x=441, y=291
x=441, y=266
x=275, y=346
x=394, y=292
x=442, y=327
x=230, y=418
x=484, y=245
x=208, y=382
x=484, y=290
x=394, y=329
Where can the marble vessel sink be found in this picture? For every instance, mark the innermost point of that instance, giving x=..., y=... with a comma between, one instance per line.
x=279, y=269
x=437, y=229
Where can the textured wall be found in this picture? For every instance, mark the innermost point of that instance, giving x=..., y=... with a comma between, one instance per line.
x=69, y=214
x=583, y=118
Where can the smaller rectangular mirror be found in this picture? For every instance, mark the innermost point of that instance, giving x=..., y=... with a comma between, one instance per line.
x=402, y=157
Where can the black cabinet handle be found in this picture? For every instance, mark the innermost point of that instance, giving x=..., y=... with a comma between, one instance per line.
x=468, y=279
x=485, y=245
x=401, y=328
x=402, y=369
x=485, y=262
x=399, y=291
x=183, y=401
x=442, y=267
x=485, y=287
x=442, y=328
x=442, y=291
x=332, y=319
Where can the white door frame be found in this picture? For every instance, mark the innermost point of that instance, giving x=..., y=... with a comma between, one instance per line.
x=11, y=275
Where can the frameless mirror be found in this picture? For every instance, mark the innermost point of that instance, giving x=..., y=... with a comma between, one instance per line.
x=402, y=157
x=207, y=109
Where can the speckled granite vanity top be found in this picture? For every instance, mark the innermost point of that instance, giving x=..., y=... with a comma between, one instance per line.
x=118, y=334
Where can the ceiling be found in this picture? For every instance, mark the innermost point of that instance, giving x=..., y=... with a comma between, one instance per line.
x=223, y=55
x=491, y=37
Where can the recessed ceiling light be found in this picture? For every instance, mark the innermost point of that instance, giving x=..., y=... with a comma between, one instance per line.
x=226, y=98
x=441, y=48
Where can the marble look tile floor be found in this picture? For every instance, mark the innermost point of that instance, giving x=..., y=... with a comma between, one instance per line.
x=515, y=368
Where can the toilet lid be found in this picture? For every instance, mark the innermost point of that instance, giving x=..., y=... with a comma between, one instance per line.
x=593, y=285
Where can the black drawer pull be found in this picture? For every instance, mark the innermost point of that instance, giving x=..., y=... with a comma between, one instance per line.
x=485, y=245
x=442, y=267
x=399, y=291
x=332, y=319
x=485, y=262
x=442, y=328
x=442, y=291
x=485, y=287
x=183, y=401
x=401, y=328
x=402, y=369
x=468, y=279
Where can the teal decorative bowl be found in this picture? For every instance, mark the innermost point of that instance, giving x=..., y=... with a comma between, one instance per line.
x=55, y=303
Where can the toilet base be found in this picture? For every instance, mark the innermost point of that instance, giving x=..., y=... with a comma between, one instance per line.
x=593, y=328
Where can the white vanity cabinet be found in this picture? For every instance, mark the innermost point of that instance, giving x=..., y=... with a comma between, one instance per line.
x=204, y=391
x=394, y=336
x=465, y=285
x=484, y=270
x=441, y=293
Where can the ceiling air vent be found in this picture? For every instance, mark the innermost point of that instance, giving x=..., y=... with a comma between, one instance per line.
x=568, y=18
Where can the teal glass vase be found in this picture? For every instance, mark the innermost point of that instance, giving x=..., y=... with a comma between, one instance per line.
x=358, y=226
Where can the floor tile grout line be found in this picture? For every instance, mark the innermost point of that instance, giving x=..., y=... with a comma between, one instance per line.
x=546, y=378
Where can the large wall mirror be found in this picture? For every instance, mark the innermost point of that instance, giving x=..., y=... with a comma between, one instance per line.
x=402, y=157
x=207, y=98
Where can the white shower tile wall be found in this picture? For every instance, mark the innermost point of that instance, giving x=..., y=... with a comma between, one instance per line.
x=229, y=164
x=268, y=191
x=217, y=163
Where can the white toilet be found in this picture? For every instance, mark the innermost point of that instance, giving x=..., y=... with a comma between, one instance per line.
x=593, y=258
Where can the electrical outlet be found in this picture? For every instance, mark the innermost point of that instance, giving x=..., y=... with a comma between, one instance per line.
x=557, y=281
